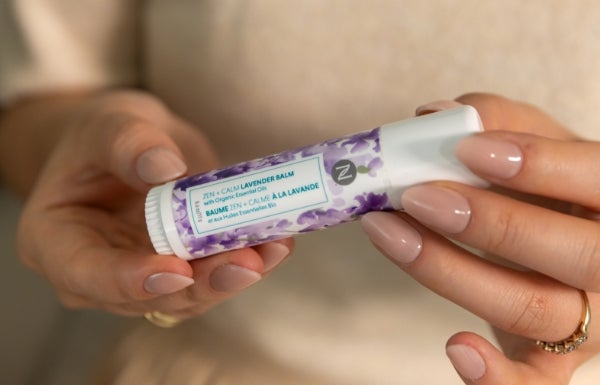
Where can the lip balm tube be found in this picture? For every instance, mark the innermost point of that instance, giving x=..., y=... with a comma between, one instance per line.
x=307, y=189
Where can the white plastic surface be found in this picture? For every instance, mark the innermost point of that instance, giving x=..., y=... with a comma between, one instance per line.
x=421, y=149
x=161, y=224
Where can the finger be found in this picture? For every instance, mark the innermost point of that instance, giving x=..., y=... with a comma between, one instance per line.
x=139, y=283
x=137, y=151
x=435, y=106
x=536, y=165
x=528, y=163
x=555, y=244
x=195, y=147
x=519, y=302
x=274, y=253
x=222, y=276
x=143, y=141
x=478, y=362
x=502, y=114
x=83, y=263
x=217, y=278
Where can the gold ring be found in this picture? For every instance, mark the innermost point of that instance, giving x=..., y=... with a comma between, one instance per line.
x=577, y=338
x=161, y=319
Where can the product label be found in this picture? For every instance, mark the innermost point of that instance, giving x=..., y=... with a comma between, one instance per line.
x=293, y=192
x=251, y=198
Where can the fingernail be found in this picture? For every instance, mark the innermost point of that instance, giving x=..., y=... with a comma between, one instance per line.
x=490, y=157
x=396, y=238
x=166, y=283
x=272, y=254
x=436, y=106
x=438, y=207
x=232, y=278
x=159, y=165
x=467, y=361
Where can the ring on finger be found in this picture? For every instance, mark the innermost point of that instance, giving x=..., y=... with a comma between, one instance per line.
x=160, y=319
x=577, y=338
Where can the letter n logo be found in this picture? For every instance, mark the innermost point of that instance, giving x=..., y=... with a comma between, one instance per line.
x=343, y=172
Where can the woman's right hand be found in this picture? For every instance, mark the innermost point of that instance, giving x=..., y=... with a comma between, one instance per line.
x=540, y=223
x=83, y=225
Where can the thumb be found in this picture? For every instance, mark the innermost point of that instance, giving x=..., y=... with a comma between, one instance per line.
x=478, y=362
x=140, y=154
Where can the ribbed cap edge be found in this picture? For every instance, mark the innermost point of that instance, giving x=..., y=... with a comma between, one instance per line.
x=154, y=222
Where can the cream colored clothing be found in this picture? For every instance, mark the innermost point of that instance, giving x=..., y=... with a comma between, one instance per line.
x=267, y=75
x=50, y=45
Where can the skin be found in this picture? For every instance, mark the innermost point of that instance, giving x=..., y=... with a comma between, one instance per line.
x=541, y=224
x=74, y=158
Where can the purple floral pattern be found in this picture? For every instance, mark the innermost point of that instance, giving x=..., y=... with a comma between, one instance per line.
x=347, y=203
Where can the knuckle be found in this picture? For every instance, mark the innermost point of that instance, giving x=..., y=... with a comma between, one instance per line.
x=508, y=234
x=199, y=302
x=586, y=261
x=129, y=102
x=127, y=132
x=69, y=285
x=127, y=294
x=123, y=142
x=530, y=315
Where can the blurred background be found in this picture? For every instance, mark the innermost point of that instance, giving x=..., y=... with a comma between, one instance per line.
x=41, y=342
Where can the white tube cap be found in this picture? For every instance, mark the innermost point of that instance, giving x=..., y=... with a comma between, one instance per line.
x=421, y=149
x=161, y=223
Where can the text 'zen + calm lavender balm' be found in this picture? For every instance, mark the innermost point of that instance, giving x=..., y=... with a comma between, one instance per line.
x=306, y=189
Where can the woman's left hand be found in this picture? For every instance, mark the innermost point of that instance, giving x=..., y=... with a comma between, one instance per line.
x=543, y=225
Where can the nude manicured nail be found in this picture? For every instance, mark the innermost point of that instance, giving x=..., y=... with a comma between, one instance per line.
x=232, y=278
x=438, y=105
x=490, y=157
x=166, y=283
x=159, y=165
x=272, y=254
x=438, y=207
x=467, y=361
x=396, y=238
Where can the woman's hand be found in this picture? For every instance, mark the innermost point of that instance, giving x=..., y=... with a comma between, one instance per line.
x=543, y=225
x=86, y=164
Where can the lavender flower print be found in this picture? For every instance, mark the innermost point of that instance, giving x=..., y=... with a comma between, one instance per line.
x=244, y=205
x=306, y=189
